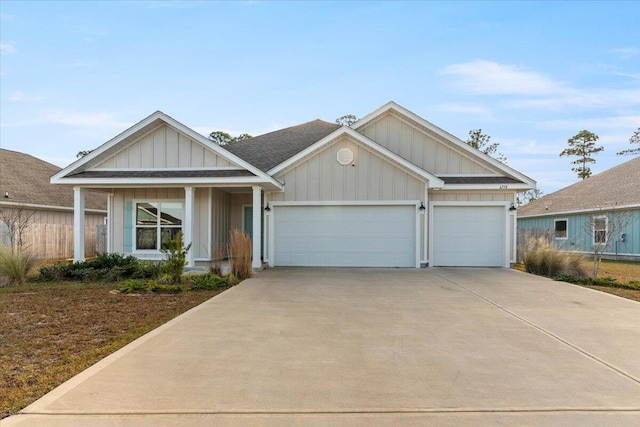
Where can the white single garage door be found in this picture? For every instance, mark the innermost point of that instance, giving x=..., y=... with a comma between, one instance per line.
x=468, y=236
x=345, y=236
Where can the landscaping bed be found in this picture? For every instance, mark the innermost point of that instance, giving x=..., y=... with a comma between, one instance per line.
x=53, y=331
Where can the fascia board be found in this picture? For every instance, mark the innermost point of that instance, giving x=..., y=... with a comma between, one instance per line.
x=582, y=211
x=55, y=179
x=444, y=134
x=87, y=182
x=433, y=180
x=492, y=187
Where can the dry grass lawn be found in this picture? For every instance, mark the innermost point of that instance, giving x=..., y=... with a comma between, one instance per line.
x=51, y=332
x=622, y=271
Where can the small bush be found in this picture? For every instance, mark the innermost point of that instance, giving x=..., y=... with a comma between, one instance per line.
x=15, y=265
x=240, y=254
x=541, y=258
x=176, y=258
x=133, y=286
x=159, y=288
x=208, y=281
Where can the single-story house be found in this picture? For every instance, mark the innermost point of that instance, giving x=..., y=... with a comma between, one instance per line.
x=391, y=190
x=601, y=210
x=25, y=187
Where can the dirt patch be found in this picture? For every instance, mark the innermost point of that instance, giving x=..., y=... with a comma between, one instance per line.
x=52, y=332
x=633, y=294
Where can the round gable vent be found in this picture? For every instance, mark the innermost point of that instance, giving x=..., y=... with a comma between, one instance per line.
x=345, y=156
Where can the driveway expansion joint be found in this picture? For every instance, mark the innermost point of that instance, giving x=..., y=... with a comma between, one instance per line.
x=547, y=332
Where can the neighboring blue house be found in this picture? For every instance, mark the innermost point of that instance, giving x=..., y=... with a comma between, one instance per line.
x=584, y=214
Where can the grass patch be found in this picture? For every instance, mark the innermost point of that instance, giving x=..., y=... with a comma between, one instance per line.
x=52, y=331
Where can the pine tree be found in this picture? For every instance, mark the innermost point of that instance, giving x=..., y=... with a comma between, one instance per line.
x=583, y=146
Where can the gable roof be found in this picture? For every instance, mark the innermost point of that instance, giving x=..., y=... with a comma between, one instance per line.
x=613, y=188
x=456, y=142
x=433, y=180
x=73, y=173
x=26, y=179
x=271, y=149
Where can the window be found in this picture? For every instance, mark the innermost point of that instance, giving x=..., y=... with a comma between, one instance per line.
x=156, y=224
x=600, y=224
x=561, y=228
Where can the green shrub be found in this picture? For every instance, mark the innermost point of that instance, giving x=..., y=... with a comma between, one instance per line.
x=15, y=265
x=600, y=281
x=176, y=259
x=133, y=286
x=159, y=288
x=208, y=281
x=541, y=258
x=104, y=268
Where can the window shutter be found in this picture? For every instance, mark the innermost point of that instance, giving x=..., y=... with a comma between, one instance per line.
x=128, y=226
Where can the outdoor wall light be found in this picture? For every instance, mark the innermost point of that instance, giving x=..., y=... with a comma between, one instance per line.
x=513, y=207
x=267, y=208
x=421, y=206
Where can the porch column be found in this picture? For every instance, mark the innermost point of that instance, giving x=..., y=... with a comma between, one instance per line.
x=78, y=224
x=187, y=226
x=257, y=226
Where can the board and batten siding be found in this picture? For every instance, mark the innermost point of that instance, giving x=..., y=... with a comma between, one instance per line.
x=220, y=218
x=369, y=177
x=579, y=234
x=164, y=148
x=470, y=196
x=421, y=147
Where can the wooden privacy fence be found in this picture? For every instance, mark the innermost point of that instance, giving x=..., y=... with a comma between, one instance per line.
x=55, y=241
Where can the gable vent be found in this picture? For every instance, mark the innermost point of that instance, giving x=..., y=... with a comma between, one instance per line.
x=345, y=156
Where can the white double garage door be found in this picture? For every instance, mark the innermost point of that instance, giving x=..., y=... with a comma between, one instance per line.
x=386, y=235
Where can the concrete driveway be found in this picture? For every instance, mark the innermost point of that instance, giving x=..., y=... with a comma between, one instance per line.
x=372, y=347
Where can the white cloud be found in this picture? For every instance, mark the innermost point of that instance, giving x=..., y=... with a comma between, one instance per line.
x=626, y=52
x=487, y=77
x=592, y=98
x=595, y=124
x=19, y=96
x=472, y=109
x=7, y=48
x=85, y=119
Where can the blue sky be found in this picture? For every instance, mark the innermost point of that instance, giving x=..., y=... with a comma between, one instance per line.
x=530, y=74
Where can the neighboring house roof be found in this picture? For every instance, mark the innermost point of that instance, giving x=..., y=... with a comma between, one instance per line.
x=613, y=188
x=26, y=179
x=271, y=149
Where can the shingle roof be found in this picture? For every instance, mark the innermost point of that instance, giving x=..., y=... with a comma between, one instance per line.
x=204, y=173
x=26, y=179
x=269, y=150
x=479, y=180
x=618, y=186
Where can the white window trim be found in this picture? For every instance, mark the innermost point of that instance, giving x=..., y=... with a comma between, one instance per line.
x=593, y=229
x=566, y=220
x=134, y=226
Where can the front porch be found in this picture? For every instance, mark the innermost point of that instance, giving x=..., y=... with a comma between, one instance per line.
x=141, y=219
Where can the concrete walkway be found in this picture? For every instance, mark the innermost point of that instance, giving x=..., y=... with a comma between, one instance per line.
x=371, y=347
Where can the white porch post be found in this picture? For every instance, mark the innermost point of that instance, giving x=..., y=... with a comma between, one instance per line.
x=257, y=226
x=187, y=227
x=78, y=224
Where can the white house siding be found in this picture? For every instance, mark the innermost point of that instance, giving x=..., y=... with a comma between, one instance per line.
x=164, y=148
x=470, y=196
x=421, y=147
x=220, y=218
x=369, y=177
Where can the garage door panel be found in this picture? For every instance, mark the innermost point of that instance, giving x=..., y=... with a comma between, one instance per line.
x=367, y=236
x=472, y=236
